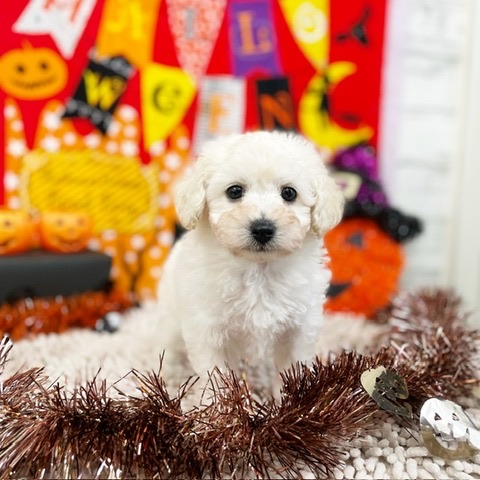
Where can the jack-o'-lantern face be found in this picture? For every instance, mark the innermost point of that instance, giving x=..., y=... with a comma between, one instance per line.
x=32, y=73
x=66, y=232
x=16, y=231
x=366, y=265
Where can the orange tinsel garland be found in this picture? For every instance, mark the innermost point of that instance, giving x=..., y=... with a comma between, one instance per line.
x=46, y=315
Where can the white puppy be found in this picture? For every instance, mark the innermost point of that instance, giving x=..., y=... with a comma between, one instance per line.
x=248, y=281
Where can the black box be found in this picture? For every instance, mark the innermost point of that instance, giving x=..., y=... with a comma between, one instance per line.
x=43, y=274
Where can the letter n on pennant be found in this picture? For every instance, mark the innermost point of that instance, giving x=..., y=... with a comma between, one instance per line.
x=275, y=104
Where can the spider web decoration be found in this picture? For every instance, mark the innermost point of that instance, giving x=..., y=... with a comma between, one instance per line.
x=47, y=432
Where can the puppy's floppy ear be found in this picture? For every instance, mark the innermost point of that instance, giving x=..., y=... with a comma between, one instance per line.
x=327, y=210
x=190, y=197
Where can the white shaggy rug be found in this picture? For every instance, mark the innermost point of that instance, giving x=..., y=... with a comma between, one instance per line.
x=387, y=452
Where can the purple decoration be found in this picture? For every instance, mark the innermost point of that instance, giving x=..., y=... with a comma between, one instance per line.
x=253, y=40
x=371, y=192
x=360, y=159
x=371, y=201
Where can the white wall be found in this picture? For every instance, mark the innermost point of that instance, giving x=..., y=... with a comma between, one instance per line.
x=464, y=271
x=428, y=162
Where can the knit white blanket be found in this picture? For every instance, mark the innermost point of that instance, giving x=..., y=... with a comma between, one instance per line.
x=387, y=452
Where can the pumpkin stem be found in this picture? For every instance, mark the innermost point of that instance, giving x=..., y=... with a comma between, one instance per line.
x=26, y=45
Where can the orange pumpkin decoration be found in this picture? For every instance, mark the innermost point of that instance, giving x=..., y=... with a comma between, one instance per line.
x=32, y=73
x=17, y=231
x=66, y=232
x=366, y=265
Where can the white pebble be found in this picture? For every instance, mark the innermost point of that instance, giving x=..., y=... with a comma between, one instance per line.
x=359, y=464
x=392, y=458
x=383, y=443
x=355, y=452
x=416, y=452
x=457, y=465
x=424, y=474
x=380, y=471
x=338, y=474
x=393, y=437
x=453, y=473
x=387, y=451
x=349, y=472
x=370, y=464
x=411, y=467
x=432, y=467
x=400, y=452
x=363, y=476
x=398, y=471
x=374, y=452
x=412, y=442
x=387, y=428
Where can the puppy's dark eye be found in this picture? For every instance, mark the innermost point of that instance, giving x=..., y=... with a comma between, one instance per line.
x=235, y=192
x=289, y=194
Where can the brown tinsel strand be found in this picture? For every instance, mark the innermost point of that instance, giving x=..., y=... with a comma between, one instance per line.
x=430, y=336
x=45, y=432
x=31, y=316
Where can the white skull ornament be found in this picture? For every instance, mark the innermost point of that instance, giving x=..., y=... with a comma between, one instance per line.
x=447, y=430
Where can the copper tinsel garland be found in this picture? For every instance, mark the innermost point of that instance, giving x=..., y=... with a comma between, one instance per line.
x=45, y=432
x=30, y=316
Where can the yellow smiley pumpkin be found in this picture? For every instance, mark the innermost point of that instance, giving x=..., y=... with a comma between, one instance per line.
x=32, y=73
x=66, y=232
x=17, y=231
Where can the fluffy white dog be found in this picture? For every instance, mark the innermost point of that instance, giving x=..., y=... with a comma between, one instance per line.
x=248, y=281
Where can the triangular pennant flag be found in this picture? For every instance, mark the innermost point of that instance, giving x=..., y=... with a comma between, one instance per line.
x=64, y=20
x=275, y=104
x=195, y=25
x=167, y=93
x=221, y=108
x=254, y=44
x=98, y=93
x=128, y=29
x=309, y=24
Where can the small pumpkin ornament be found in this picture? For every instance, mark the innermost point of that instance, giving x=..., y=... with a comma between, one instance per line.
x=32, y=73
x=366, y=265
x=65, y=232
x=17, y=231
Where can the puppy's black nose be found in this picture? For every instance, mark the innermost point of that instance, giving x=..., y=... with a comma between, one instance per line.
x=262, y=231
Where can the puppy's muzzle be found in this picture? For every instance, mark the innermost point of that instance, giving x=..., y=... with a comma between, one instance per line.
x=263, y=231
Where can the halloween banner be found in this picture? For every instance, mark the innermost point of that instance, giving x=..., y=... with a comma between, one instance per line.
x=308, y=22
x=64, y=20
x=252, y=32
x=99, y=91
x=107, y=100
x=222, y=108
x=195, y=25
x=167, y=93
x=127, y=28
x=275, y=104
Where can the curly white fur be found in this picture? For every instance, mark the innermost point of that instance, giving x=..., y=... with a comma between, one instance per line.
x=228, y=294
